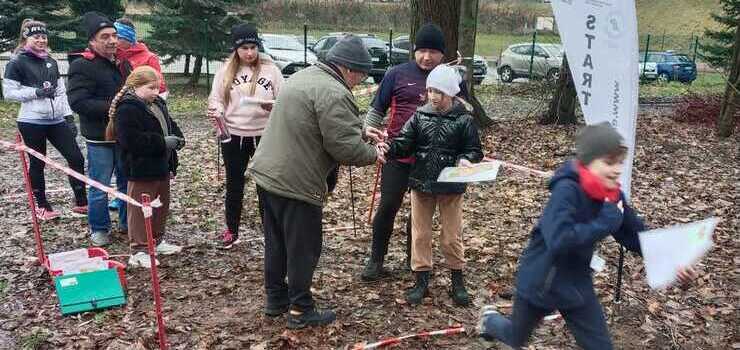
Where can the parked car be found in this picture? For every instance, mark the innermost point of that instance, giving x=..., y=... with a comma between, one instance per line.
x=377, y=48
x=515, y=61
x=310, y=40
x=670, y=66
x=480, y=66
x=287, y=52
x=648, y=70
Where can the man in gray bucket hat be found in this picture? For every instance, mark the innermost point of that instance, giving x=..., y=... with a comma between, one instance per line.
x=314, y=126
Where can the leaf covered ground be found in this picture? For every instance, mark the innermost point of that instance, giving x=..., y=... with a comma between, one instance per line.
x=213, y=299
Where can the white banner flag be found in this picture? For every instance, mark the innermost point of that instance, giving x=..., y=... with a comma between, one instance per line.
x=600, y=39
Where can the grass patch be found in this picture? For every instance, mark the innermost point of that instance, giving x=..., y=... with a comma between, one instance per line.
x=705, y=84
x=8, y=114
x=676, y=17
x=34, y=340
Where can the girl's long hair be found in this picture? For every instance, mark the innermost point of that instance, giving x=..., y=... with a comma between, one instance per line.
x=232, y=67
x=28, y=22
x=140, y=76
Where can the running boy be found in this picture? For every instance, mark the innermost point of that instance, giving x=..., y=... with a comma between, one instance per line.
x=586, y=206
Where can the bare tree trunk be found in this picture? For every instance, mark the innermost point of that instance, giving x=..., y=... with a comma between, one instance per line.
x=195, y=78
x=445, y=14
x=186, y=71
x=727, y=118
x=467, y=32
x=562, y=108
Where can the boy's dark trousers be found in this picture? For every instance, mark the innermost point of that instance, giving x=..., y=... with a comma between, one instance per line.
x=293, y=240
x=586, y=323
x=393, y=186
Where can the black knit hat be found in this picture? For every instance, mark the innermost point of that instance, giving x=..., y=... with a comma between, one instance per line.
x=595, y=141
x=430, y=36
x=352, y=53
x=244, y=33
x=94, y=22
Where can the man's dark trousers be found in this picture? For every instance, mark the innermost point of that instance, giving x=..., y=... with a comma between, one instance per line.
x=293, y=240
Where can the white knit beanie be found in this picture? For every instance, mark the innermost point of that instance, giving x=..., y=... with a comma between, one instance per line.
x=446, y=79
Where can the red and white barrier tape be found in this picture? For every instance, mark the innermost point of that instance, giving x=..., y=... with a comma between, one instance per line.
x=521, y=168
x=392, y=341
x=109, y=190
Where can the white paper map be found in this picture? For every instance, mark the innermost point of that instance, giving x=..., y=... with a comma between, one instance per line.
x=249, y=100
x=486, y=171
x=666, y=250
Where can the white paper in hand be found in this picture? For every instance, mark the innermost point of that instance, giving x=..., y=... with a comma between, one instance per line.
x=486, y=171
x=666, y=250
x=251, y=100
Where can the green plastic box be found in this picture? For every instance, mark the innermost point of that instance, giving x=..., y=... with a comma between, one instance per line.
x=89, y=291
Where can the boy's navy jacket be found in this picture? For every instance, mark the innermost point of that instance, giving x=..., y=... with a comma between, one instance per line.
x=554, y=271
x=437, y=141
x=141, y=138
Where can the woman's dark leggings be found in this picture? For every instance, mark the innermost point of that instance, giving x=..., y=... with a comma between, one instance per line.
x=61, y=137
x=236, y=154
x=393, y=186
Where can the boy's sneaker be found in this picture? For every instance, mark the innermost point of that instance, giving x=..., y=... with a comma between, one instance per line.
x=310, y=318
x=485, y=312
x=79, y=211
x=228, y=239
x=100, y=238
x=45, y=214
x=165, y=248
x=141, y=259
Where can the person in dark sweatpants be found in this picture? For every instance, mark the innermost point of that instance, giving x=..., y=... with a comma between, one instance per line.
x=585, y=206
x=315, y=125
x=32, y=78
x=247, y=73
x=401, y=92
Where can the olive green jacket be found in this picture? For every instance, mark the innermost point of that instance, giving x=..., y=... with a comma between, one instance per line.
x=314, y=126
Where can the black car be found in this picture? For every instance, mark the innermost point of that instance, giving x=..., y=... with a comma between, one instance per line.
x=480, y=67
x=377, y=48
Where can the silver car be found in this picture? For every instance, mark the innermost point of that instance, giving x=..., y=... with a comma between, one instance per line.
x=515, y=61
x=287, y=52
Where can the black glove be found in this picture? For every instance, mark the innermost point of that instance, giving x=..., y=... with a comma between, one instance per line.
x=71, y=123
x=46, y=92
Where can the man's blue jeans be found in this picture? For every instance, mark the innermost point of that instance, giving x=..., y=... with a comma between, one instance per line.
x=102, y=160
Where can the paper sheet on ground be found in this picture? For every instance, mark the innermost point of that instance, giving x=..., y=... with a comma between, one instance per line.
x=486, y=171
x=666, y=250
x=251, y=100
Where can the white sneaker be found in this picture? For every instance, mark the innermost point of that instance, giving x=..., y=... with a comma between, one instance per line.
x=141, y=259
x=165, y=248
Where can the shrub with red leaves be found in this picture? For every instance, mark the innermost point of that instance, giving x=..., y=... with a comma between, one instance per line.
x=700, y=109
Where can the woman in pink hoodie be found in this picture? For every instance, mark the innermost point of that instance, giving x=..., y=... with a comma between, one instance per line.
x=254, y=76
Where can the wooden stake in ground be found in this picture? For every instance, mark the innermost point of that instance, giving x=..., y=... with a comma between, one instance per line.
x=727, y=118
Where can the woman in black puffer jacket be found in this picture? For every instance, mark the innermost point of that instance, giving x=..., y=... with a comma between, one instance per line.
x=440, y=134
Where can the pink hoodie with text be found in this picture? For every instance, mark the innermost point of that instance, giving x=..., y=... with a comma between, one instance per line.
x=246, y=119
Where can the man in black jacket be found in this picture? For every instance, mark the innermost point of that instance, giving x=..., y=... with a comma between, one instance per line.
x=94, y=80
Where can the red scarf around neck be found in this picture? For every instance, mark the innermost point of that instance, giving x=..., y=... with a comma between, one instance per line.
x=593, y=186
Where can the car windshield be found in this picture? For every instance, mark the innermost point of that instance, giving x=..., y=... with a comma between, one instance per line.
x=373, y=42
x=553, y=49
x=279, y=42
x=680, y=58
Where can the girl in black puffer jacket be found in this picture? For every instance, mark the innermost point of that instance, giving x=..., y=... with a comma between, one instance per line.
x=149, y=138
x=440, y=134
